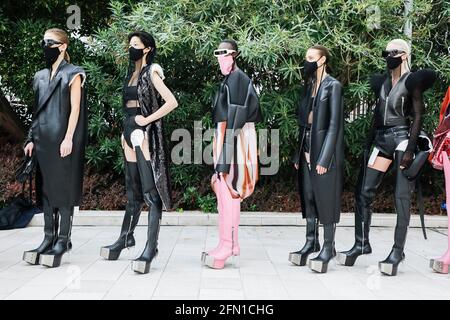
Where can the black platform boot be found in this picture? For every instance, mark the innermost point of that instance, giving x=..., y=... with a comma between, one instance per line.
x=403, y=188
x=154, y=202
x=50, y=235
x=132, y=213
x=53, y=257
x=320, y=263
x=142, y=264
x=368, y=183
x=389, y=266
x=126, y=238
x=312, y=244
x=361, y=246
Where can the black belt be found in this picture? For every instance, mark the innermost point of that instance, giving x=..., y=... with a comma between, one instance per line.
x=392, y=129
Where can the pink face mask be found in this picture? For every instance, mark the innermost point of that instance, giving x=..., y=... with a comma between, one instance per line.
x=226, y=64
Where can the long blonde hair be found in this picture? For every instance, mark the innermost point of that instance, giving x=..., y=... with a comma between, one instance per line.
x=62, y=37
x=402, y=45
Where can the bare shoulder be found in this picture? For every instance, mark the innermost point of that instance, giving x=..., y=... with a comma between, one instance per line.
x=156, y=70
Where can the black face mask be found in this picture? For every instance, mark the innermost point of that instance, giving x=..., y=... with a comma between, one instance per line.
x=51, y=55
x=393, y=62
x=135, y=54
x=310, y=67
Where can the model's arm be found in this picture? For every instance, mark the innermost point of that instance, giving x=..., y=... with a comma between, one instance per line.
x=170, y=102
x=75, y=101
x=329, y=143
x=29, y=141
x=416, y=83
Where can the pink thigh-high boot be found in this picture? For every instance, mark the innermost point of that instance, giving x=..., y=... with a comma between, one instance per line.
x=220, y=210
x=228, y=226
x=441, y=264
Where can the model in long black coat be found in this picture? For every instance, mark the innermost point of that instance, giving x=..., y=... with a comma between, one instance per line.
x=61, y=177
x=320, y=194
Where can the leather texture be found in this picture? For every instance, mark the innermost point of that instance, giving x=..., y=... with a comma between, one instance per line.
x=237, y=103
x=62, y=178
x=326, y=149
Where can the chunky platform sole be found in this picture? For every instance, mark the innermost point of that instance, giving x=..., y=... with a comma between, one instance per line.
x=348, y=260
x=108, y=254
x=298, y=259
x=388, y=269
x=432, y=263
x=318, y=266
x=142, y=267
x=31, y=257
x=51, y=261
x=206, y=254
x=214, y=263
x=440, y=266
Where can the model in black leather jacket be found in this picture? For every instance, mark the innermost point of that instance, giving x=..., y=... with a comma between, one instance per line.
x=393, y=138
x=320, y=191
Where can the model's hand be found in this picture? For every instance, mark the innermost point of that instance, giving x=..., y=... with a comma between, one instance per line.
x=321, y=170
x=66, y=147
x=296, y=166
x=141, y=120
x=407, y=159
x=28, y=148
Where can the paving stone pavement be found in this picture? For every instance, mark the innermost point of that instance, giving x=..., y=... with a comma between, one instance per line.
x=177, y=273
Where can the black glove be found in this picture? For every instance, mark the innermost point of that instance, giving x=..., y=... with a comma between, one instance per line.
x=407, y=159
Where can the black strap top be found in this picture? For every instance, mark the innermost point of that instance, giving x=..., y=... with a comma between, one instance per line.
x=130, y=93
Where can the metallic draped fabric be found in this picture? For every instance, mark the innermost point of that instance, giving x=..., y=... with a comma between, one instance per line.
x=149, y=101
x=235, y=111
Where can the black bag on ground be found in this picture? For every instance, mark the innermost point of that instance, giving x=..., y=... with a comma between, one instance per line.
x=19, y=212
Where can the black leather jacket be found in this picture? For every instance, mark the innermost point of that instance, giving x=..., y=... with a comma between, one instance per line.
x=401, y=105
x=327, y=128
x=393, y=104
x=236, y=102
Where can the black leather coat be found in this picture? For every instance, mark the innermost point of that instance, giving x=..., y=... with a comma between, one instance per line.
x=327, y=149
x=62, y=178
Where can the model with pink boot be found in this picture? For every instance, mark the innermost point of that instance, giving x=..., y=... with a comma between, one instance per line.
x=236, y=110
x=439, y=160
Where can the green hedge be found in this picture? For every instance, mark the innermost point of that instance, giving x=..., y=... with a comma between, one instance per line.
x=273, y=37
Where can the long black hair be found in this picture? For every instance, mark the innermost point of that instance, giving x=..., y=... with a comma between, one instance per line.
x=149, y=42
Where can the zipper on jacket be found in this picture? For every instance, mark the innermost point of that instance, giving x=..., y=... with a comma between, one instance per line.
x=403, y=103
x=385, y=109
x=301, y=146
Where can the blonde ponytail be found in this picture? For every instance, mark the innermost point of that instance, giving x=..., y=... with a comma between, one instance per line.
x=66, y=56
